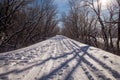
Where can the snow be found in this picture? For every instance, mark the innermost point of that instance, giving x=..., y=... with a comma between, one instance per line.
x=59, y=58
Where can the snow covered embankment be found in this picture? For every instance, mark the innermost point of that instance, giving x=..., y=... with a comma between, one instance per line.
x=59, y=58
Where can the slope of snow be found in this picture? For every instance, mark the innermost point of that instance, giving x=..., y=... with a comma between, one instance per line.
x=59, y=58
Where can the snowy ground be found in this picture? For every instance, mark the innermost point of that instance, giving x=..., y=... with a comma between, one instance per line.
x=59, y=58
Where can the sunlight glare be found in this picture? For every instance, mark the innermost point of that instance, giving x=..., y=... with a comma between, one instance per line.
x=104, y=2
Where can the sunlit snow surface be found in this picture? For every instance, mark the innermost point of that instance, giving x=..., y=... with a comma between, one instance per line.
x=59, y=58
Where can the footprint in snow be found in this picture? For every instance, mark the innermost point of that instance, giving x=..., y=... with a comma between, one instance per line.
x=4, y=78
x=111, y=62
x=105, y=57
x=60, y=73
x=71, y=78
x=67, y=66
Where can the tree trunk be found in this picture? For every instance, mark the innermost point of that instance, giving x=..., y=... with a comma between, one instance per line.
x=105, y=38
x=118, y=40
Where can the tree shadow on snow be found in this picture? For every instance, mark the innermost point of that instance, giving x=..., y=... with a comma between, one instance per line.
x=84, y=49
x=76, y=53
x=61, y=66
x=16, y=71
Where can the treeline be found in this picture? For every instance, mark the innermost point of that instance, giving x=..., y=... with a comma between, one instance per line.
x=88, y=22
x=25, y=22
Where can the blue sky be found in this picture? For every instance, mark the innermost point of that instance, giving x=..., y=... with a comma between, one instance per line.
x=62, y=6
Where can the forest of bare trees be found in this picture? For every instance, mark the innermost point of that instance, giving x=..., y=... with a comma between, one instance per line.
x=25, y=22
x=87, y=22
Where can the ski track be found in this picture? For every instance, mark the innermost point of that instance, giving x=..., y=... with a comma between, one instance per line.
x=59, y=58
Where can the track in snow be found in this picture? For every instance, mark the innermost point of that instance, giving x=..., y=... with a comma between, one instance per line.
x=59, y=58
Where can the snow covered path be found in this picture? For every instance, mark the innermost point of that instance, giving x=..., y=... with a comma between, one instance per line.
x=59, y=58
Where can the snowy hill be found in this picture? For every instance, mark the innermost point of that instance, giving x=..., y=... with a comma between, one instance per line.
x=59, y=58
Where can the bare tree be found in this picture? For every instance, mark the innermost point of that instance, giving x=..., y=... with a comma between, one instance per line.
x=78, y=24
x=118, y=41
x=97, y=10
x=22, y=25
